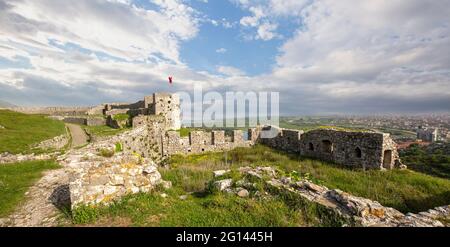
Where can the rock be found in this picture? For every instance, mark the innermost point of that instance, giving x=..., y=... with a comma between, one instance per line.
x=163, y=195
x=166, y=184
x=101, y=180
x=311, y=186
x=221, y=185
x=183, y=197
x=243, y=193
x=220, y=173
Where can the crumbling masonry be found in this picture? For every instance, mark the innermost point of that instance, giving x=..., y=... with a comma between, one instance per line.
x=161, y=117
x=367, y=150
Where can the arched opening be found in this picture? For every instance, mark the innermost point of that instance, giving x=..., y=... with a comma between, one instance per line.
x=327, y=146
x=311, y=147
x=387, y=159
x=358, y=153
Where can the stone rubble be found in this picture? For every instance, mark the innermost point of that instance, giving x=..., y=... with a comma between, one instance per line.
x=220, y=173
x=357, y=211
x=6, y=158
x=224, y=184
x=58, y=142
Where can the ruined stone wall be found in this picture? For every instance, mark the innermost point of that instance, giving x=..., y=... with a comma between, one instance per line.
x=356, y=149
x=369, y=150
x=286, y=140
x=201, y=141
x=62, y=111
x=95, y=121
x=75, y=120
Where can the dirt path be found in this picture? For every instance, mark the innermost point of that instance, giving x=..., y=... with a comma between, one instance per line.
x=45, y=199
x=40, y=208
x=79, y=137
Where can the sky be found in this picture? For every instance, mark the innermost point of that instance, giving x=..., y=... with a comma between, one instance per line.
x=322, y=56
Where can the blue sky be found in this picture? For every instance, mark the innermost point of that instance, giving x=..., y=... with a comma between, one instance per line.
x=323, y=57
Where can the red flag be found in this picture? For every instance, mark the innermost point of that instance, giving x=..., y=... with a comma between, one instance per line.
x=170, y=79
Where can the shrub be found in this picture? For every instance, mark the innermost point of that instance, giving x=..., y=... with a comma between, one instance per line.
x=106, y=152
x=118, y=147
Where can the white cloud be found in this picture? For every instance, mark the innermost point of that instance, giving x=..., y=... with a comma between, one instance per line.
x=221, y=50
x=266, y=31
x=230, y=71
x=113, y=27
x=345, y=56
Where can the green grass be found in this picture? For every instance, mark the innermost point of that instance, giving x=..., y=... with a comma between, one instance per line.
x=433, y=160
x=103, y=131
x=197, y=210
x=121, y=117
x=22, y=131
x=407, y=191
x=15, y=179
x=201, y=208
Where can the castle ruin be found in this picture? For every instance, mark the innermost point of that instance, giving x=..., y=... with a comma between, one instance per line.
x=159, y=115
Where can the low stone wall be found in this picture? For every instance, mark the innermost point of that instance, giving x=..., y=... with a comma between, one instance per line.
x=106, y=180
x=95, y=121
x=62, y=111
x=6, y=158
x=57, y=142
x=101, y=173
x=75, y=120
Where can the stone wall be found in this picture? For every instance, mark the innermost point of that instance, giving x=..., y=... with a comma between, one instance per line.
x=62, y=111
x=286, y=140
x=167, y=105
x=202, y=141
x=100, y=121
x=75, y=120
x=57, y=142
x=357, y=149
x=369, y=150
x=106, y=180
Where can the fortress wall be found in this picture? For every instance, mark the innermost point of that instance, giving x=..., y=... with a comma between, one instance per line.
x=64, y=111
x=75, y=120
x=286, y=140
x=355, y=149
x=95, y=121
x=200, y=142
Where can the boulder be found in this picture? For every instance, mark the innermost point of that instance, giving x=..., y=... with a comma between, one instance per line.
x=222, y=185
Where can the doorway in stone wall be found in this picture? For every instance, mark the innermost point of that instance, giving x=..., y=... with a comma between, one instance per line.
x=327, y=146
x=387, y=159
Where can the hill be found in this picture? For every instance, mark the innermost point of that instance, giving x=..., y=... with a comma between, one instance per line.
x=20, y=131
x=4, y=104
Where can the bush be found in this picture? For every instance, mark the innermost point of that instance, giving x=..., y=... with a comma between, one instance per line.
x=106, y=153
x=118, y=147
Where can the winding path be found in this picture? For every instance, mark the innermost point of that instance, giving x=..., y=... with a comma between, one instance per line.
x=46, y=197
x=79, y=137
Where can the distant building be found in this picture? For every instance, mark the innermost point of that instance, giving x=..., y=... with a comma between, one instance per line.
x=428, y=134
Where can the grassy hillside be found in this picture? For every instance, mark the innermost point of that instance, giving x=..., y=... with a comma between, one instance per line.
x=407, y=191
x=22, y=131
x=15, y=179
x=6, y=104
x=433, y=160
